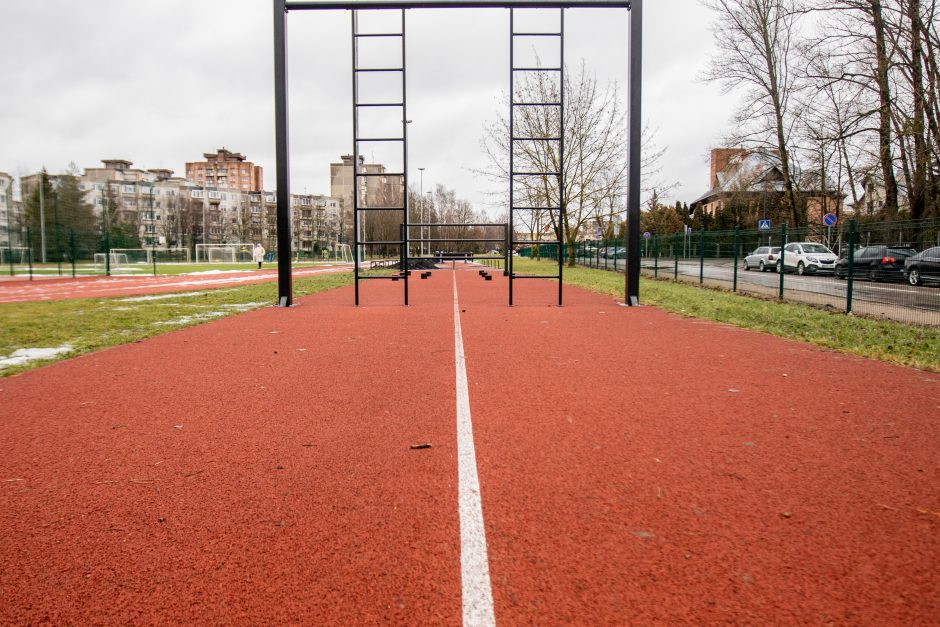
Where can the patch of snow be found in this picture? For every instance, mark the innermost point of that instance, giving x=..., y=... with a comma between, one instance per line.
x=25, y=355
x=137, y=299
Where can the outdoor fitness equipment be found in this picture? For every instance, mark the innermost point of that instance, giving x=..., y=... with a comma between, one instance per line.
x=282, y=7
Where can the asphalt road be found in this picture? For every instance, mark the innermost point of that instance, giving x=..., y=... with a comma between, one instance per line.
x=893, y=300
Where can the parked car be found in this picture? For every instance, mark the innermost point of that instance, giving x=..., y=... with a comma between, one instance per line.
x=619, y=252
x=876, y=263
x=923, y=266
x=763, y=258
x=808, y=257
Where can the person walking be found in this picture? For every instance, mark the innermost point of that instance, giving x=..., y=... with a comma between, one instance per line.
x=257, y=254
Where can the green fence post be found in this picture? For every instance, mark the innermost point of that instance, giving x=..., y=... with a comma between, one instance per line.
x=72, y=250
x=850, y=277
x=656, y=257
x=737, y=236
x=701, y=256
x=29, y=251
x=675, y=252
x=782, y=269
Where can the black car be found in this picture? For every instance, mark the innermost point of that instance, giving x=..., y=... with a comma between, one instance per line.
x=923, y=266
x=876, y=263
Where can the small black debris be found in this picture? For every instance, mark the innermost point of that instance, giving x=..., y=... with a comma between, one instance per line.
x=420, y=446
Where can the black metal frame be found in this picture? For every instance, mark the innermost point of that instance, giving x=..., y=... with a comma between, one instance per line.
x=281, y=7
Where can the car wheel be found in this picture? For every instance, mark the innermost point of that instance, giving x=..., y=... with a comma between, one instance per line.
x=761, y=266
x=913, y=276
x=872, y=274
x=746, y=265
x=800, y=269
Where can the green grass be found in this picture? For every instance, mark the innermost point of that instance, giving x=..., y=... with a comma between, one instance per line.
x=895, y=342
x=92, y=324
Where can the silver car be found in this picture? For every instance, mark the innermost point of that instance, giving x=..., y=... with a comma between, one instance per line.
x=763, y=258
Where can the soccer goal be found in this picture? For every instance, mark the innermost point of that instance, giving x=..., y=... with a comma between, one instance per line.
x=17, y=254
x=135, y=255
x=117, y=260
x=342, y=254
x=223, y=253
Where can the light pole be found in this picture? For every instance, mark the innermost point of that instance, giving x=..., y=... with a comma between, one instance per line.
x=430, y=207
x=42, y=214
x=421, y=210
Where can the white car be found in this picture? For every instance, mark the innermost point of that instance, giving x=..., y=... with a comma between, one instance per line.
x=808, y=257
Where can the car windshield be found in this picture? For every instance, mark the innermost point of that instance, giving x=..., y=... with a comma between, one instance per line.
x=815, y=248
x=901, y=252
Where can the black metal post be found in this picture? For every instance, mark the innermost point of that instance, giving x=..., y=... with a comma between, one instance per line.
x=737, y=237
x=632, y=297
x=58, y=248
x=701, y=256
x=850, y=278
x=282, y=154
x=782, y=267
x=72, y=250
x=29, y=250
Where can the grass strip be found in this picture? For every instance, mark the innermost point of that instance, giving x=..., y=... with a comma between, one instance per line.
x=88, y=325
x=895, y=342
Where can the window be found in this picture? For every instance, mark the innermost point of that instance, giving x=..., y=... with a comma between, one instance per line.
x=198, y=193
x=129, y=189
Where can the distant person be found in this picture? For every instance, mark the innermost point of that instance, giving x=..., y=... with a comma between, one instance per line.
x=257, y=254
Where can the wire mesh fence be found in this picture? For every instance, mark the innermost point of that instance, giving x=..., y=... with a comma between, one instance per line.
x=880, y=269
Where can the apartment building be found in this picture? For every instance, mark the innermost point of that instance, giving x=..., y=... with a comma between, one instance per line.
x=11, y=214
x=375, y=190
x=225, y=169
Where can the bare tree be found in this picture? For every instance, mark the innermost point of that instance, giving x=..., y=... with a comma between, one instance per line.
x=756, y=52
x=595, y=154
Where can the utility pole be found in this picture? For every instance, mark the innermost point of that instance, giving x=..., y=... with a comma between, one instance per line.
x=421, y=209
x=42, y=214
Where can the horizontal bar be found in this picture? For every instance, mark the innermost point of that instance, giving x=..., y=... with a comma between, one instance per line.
x=391, y=277
x=536, y=104
x=379, y=139
x=304, y=5
x=514, y=208
x=534, y=276
x=380, y=208
x=536, y=34
x=502, y=226
x=381, y=243
x=535, y=174
x=535, y=139
x=535, y=241
x=379, y=35
x=452, y=239
x=536, y=69
x=379, y=174
x=380, y=104
x=379, y=69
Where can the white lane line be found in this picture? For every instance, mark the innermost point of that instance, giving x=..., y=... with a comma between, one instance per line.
x=474, y=565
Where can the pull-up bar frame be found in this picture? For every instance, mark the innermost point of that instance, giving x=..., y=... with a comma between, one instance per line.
x=282, y=161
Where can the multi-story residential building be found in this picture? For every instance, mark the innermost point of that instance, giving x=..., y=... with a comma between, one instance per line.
x=375, y=190
x=225, y=169
x=11, y=214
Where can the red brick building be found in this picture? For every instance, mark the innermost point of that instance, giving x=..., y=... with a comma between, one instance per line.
x=225, y=169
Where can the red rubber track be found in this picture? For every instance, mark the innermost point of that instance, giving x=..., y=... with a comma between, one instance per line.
x=18, y=289
x=622, y=480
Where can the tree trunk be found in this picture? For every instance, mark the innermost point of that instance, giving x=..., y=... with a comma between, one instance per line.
x=884, y=127
x=918, y=185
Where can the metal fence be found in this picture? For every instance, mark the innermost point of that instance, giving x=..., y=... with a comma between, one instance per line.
x=868, y=277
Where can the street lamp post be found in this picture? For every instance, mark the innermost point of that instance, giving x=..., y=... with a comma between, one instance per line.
x=153, y=234
x=421, y=210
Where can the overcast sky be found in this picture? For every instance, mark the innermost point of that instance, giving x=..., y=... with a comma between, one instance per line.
x=160, y=82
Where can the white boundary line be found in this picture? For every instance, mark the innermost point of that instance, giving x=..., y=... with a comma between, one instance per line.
x=476, y=591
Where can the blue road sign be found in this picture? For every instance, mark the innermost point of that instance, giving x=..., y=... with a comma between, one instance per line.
x=647, y=235
x=763, y=225
x=829, y=219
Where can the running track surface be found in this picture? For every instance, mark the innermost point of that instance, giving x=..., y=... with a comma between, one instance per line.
x=634, y=467
x=18, y=289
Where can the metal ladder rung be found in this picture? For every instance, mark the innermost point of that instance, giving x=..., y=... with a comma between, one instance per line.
x=535, y=276
x=536, y=34
x=536, y=104
x=379, y=35
x=535, y=174
x=381, y=208
x=396, y=242
x=379, y=139
x=379, y=174
x=380, y=104
x=535, y=139
x=535, y=241
x=536, y=208
x=536, y=69
x=379, y=69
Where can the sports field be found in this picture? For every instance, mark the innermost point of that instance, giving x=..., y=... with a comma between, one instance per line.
x=460, y=461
